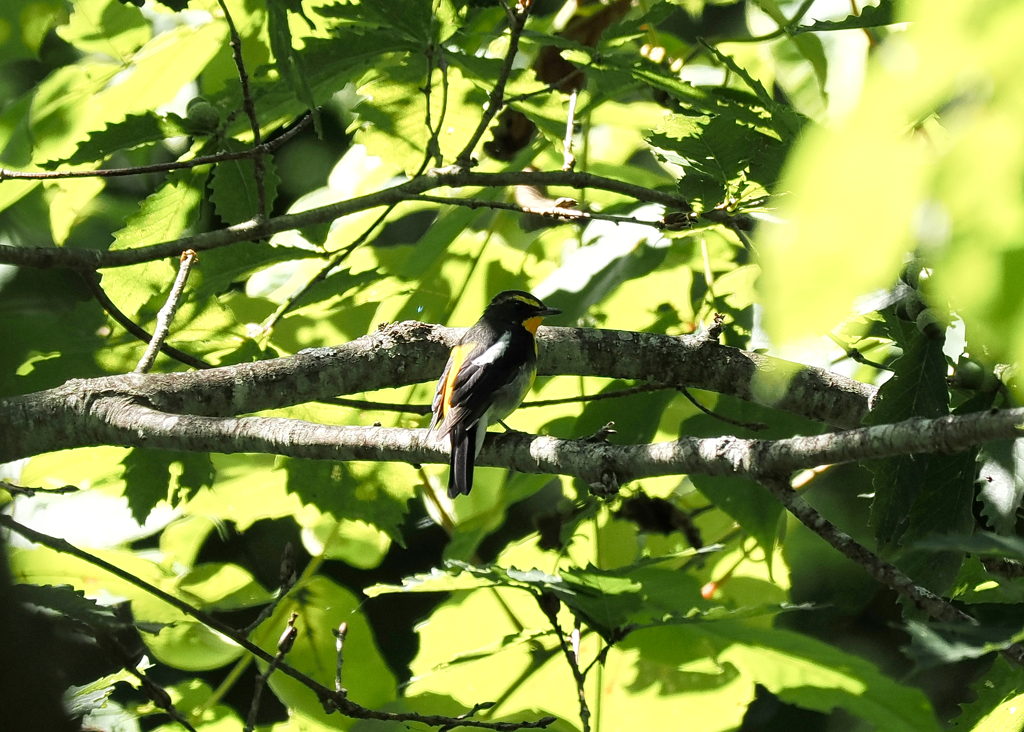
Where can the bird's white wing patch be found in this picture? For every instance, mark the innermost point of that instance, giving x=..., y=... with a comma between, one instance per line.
x=495, y=352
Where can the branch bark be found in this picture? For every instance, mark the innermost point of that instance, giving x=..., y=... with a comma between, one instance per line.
x=73, y=415
x=118, y=420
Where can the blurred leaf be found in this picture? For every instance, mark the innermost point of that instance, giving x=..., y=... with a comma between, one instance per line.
x=974, y=584
x=26, y=23
x=222, y=587
x=870, y=16
x=80, y=700
x=753, y=508
x=982, y=542
x=804, y=671
x=189, y=645
x=636, y=417
x=938, y=644
x=108, y=27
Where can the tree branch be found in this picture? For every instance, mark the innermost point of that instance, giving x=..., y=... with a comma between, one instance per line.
x=881, y=570
x=92, y=281
x=123, y=421
x=516, y=21
x=410, y=353
x=167, y=312
x=43, y=257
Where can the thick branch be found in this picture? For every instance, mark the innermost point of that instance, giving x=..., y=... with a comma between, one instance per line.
x=119, y=420
x=409, y=353
x=42, y=257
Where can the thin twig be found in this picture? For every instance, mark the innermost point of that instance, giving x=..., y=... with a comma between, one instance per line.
x=340, y=702
x=288, y=577
x=339, y=646
x=20, y=490
x=568, y=160
x=854, y=354
x=284, y=644
x=159, y=696
x=340, y=256
x=517, y=21
x=553, y=212
x=549, y=605
x=432, y=150
x=752, y=426
x=425, y=408
x=166, y=314
x=92, y=280
x=878, y=568
x=250, y=112
x=220, y=157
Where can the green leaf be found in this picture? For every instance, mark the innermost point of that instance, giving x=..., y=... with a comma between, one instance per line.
x=753, y=508
x=218, y=587
x=81, y=700
x=233, y=188
x=984, y=543
x=809, y=673
x=940, y=644
x=290, y=65
x=322, y=606
x=411, y=20
x=107, y=27
x=163, y=216
x=26, y=23
x=917, y=389
x=1001, y=478
x=129, y=133
x=376, y=493
x=147, y=477
x=999, y=695
x=71, y=605
x=976, y=585
x=606, y=600
x=945, y=506
x=871, y=16
x=191, y=646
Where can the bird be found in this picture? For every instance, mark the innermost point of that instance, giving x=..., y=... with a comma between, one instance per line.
x=489, y=372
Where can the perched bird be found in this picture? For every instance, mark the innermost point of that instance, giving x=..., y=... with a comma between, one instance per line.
x=488, y=373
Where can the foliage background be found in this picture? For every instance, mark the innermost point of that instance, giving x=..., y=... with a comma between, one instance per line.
x=830, y=141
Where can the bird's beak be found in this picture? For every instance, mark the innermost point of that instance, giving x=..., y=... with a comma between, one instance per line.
x=548, y=311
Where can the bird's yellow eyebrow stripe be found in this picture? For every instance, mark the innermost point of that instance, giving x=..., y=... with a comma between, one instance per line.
x=458, y=357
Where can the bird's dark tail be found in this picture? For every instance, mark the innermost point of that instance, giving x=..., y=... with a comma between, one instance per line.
x=460, y=479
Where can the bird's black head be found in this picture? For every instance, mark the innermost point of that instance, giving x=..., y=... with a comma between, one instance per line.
x=519, y=307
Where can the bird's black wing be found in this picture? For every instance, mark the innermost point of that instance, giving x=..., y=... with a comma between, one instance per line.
x=481, y=373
